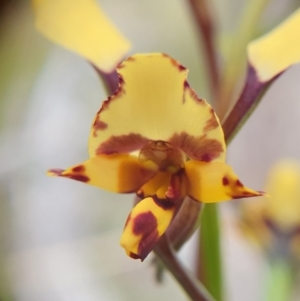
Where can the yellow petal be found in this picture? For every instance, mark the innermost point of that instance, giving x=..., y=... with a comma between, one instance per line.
x=283, y=208
x=146, y=223
x=277, y=50
x=81, y=26
x=214, y=182
x=155, y=102
x=118, y=173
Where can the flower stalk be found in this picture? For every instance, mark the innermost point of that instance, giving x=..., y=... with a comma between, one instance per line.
x=209, y=267
x=194, y=289
x=250, y=97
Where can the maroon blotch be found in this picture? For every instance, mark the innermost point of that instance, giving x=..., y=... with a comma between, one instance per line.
x=239, y=183
x=78, y=168
x=145, y=224
x=80, y=178
x=225, y=181
x=165, y=204
x=122, y=144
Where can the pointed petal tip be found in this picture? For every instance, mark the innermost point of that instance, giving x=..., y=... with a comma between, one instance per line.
x=262, y=193
x=249, y=193
x=55, y=172
x=215, y=182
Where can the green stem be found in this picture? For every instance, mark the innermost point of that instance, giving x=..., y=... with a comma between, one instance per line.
x=236, y=60
x=279, y=281
x=209, y=265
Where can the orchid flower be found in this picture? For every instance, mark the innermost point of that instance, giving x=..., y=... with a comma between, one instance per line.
x=156, y=137
x=273, y=223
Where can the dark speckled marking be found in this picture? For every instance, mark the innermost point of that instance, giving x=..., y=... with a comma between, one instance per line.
x=56, y=171
x=99, y=125
x=165, y=204
x=225, y=181
x=140, y=194
x=122, y=144
x=131, y=59
x=145, y=224
x=197, y=148
x=80, y=178
x=246, y=194
x=186, y=84
x=174, y=62
x=121, y=80
x=211, y=123
x=206, y=157
x=195, y=97
x=134, y=256
x=239, y=183
x=79, y=168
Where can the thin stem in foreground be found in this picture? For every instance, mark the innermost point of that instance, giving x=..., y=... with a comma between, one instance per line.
x=209, y=266
x=192, y=287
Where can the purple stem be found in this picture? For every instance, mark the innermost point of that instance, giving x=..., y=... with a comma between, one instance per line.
x=110, y=80
x=192, y=287
x=249, y=98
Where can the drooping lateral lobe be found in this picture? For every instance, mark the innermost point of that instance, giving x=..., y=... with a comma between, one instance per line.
x=117, y=173
x=277, y=50
x=81, y=26
x=214, y=182
x=155, y=102
x=146, y=223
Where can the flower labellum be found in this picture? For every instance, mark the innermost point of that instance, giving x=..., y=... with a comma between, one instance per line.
x=156, y=137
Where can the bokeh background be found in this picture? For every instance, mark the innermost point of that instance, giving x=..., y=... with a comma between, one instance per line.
x=59, y=239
